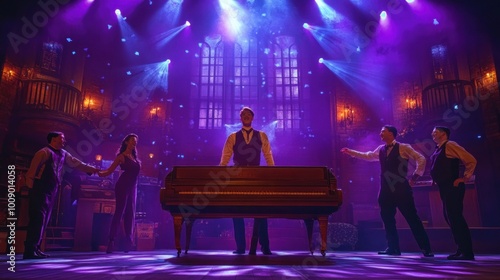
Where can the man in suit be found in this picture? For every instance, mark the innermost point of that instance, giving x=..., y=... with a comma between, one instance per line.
x=395, y=190
x=246, y=146
x=445, y=173
x=44, y=178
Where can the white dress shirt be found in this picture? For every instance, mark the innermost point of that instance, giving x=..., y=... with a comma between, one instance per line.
x=405, y=151
x=227, y=151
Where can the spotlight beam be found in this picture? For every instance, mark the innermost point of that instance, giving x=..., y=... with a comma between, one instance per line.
x=358, y=76
x=165, y=37
x=335, y=42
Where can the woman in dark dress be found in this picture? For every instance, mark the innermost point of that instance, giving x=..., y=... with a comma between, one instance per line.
x=125, y=190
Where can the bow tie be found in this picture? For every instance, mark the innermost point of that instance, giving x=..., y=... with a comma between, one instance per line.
x=248, y=131
x=389, y=146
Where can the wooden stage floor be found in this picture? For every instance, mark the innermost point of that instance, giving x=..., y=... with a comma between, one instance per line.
x=163, y=264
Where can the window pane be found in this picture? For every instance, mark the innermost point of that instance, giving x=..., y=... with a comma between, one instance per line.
x=251, y=77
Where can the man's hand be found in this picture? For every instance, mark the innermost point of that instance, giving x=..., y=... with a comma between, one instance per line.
x=414, y=179
x=94, y=171
x=458, y=181
x=345, y=150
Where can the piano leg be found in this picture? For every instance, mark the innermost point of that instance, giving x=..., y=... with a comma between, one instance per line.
x=309, y=226
x=177, y=233
x=189, y=229
x=323, y=230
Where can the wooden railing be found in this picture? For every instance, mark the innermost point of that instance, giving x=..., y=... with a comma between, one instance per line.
x=446, y=95
x=48, y=95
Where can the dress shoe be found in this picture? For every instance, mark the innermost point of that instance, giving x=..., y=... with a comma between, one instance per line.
x=458, y=253
x=128, y=246
x=40, y=253
x=238, y=252
x=32, y=256
x=111, y=247
x=428, y=253
x=266, y=252
x=461, y=257
x=389, y=251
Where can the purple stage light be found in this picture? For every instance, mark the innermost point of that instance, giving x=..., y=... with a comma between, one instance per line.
x=410, y=1
x=187, y=23
x=320, y=60
x=306, y=25
x=118, y=12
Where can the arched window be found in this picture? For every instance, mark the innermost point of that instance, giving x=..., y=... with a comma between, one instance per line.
x=207, y=96
x=284, y=83
x=266, y=77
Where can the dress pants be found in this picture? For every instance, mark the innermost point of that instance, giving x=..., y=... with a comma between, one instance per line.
x=453, y=204
x=401, y=197
x=239, y=234
x=41, y=203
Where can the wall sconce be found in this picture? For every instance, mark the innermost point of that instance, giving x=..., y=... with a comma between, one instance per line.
x=489, y=79
x=411, y=103
x=346, y=116
x=88, y=102
x=98, y=160
x=412, y=107
x=88, y=105
x=8, y=74
x=154, y=114
x=151, y=155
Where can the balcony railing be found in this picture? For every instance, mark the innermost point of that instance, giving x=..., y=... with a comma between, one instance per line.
x=48, y=95
x=445, y=95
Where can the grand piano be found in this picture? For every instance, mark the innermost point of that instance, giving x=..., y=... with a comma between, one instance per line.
x=308, y=193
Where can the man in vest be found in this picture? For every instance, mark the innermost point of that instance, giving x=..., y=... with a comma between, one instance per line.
x=445, y=173
x=395, y=190
x=44, y=178
x=245, y=146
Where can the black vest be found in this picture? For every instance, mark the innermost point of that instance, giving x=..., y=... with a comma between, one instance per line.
x=444, y=170
x=247, y=154
x=393, y=167
x=52, y=172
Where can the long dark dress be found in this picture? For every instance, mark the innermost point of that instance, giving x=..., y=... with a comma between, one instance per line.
x=125, y=195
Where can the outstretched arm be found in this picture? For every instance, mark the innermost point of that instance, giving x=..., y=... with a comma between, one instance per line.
x=368, y=156
x=74, y=162
x=118, y=160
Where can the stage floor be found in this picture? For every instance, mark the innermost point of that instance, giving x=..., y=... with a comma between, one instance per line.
x=164, y=264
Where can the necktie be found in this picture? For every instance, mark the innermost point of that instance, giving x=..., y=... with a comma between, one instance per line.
x=248, y=133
